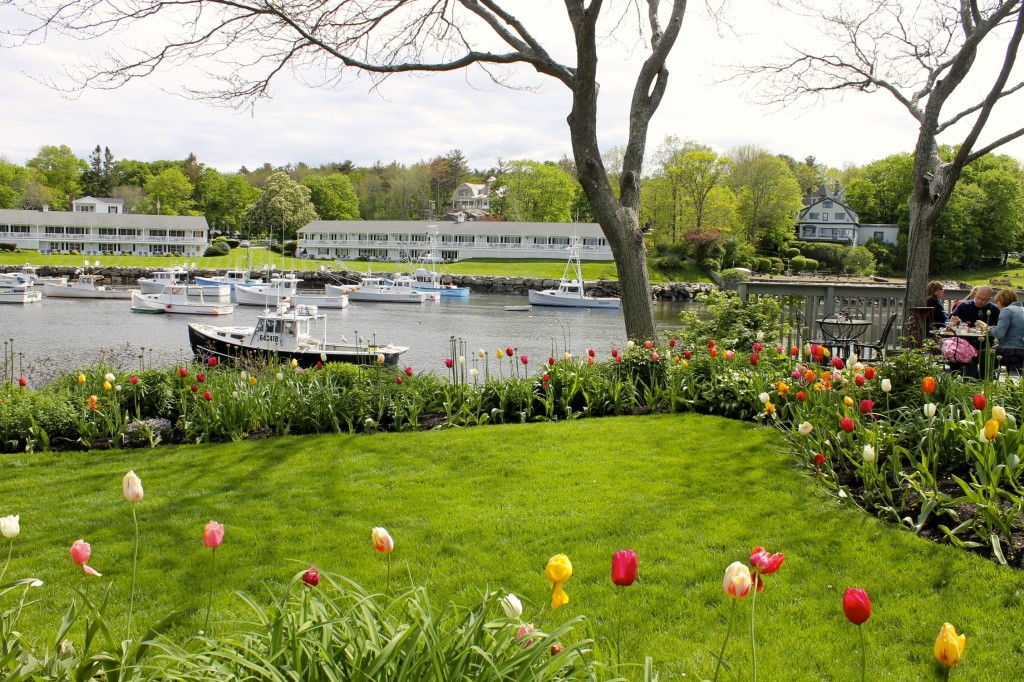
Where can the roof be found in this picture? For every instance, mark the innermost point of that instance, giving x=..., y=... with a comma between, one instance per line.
x=805, y=211
x=105, y=200
x=89, y=219
x=475, y=227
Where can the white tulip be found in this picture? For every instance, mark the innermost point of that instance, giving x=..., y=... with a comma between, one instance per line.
x=999, y=413
x=929, y=410
x=9, y=527
x=132, y=487
x=473, y=372
x=511, y=605
x=279, y=376
x=109, y=376
x=869, y=453
x=462, y=359
x=760, y=337
x=806, y=428
x=886, y=385
x=630, y=345
x=481, y=353
x=764, y=398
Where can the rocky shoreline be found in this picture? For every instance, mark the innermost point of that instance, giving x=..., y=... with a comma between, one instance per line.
x=482, y=284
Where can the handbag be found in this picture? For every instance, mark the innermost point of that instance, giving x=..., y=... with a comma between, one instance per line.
x=958, y=350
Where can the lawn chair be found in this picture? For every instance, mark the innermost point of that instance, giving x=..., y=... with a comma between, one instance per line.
x=876, y=350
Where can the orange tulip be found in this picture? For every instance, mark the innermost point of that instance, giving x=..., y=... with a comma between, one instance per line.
x=928, y=385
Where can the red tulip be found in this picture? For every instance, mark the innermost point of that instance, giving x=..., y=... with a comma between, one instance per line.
x=655, y=357
x=859, y=380
x=648, y=344
x=195, y=389
x=319, y=365
x=687, y=354
x=764, y=562
x=551, y=361
x=590, y=352
x=510, y=351
x=856, y=605
x=866, y=406
x=213, y=535
x=672, y=342
x=211, y=361
x=133, y=380
x=847, y=424
x=524, y=359
x=618, y=358
x=979, y=401
x=754, y=358
x=615, y=351
x=398, y=380
x=711, y=343
x=546, y=377
x=819, y=459
x=200, y=377
x=730, y=354
x=838, y=363
x=778, y=348
x=448, y=363
x=22, y=381
x=794, y=351
x=928, y=385
x=713, y=352
x=408, y=371
x=207, y=395
x=624, y=566
x=869, y=372
x=557, y=648
x=182, y=372
x=311, y=577
x=801, y=396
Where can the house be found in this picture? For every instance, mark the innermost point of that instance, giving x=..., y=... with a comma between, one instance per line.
x=468, y=195
x=95, y=232
x=97, y=205
x=410, y=240
x=826, y=217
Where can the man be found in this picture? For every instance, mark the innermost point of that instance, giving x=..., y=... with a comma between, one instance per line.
x=971, y=312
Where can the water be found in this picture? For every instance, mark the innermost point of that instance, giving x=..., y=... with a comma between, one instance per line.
x=60, y=335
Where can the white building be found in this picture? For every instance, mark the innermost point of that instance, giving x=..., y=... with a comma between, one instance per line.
x=468, y=195
x=406, y=240
x=825, y=217
x=97, y=232
x=97, y=205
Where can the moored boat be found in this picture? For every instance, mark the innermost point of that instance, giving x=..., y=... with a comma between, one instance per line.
x=29, y=274
x=379, y=290
x=229, y=278
x=184, y=300
x=277, y=290
x=320, y=299
x=285, y=334
x=20, y=293
x=570, y=290
x=85, y=286
x=158, y=279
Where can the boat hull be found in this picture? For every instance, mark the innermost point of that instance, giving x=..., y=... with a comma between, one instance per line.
x=20, y=296
x=178, y=303
x=321, y=301
x=70, y=291
x=354, y=293
x=552, y=297
x=447, y=292
x=206, y=343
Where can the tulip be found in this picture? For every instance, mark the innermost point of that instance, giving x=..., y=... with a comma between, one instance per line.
x=207, y=396
x=311, y=577
x=929, y=410
x=859, y=380
x=648, y=344
x=769, y=408
x=511, y=605
x=279, y=376
x=979, y=401
x=928, y=385
x=380, y=358
x=866, y=406
x=382, y=541
x=213, y=535
x=510, y=351
x=655, y=357
x=195, y=389
x=687, y=354
x=81, y=378
x=764, y=562
x=837, y=362
x=408, y=371
x=991, y=429
x=713, y=352
x=80, y=553
x=200, y=377
x=557, y=648
x=10, y=526
x=886, y=385
x=624, y=567
x=93, y=403
x=869, y=373
x=107, y=386
x=525, y=631
x=618, y=358
x=473, y=372
x=524, y=359
x=481, y=353
x=558, y=571
x=869, y=453
x=757, y=347
x=782, y=387
x=398, y=380
x=999, y=413
x=801, y=396
x=754, y=359
x=737, y=581
x=794, y=351
x=500, y=354
x=567, y=356
x=779, y=349
x=294, y=362
x=252, y=381
x=819, y=461
x=132, y=487
x=711, y=343
x=856, y=605
x=182, y=372
x=211, y=361
x=672, y=342
x=949, y=646
x=848, y=401
x=134, y=380
x=764, y=397
x=448, y=363
x=847, y=424
x=615, y=351
x=805, y=428
x=730, y=354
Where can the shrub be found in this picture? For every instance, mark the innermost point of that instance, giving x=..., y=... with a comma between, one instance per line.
x=710, y=265
x=829, y=255
x=734, y=275
x=8, y=247
x=233, y=243
x=790, y=252
x=724, y=317
x=859, y=260
x=798, y=264
x=776, y=264
x=219, y=247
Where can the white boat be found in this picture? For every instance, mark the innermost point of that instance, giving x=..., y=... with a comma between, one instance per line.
x=282, y=335
x=229, y=278
x=185, y=300
x=85, y=286
x=155, y=283
x=379, y=290
x=28, y=274
x=569, y=293
x=320, y=299
x=428, y=281
x=277, y=290
x=20, y=293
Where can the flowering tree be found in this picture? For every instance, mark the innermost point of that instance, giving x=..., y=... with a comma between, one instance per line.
x=257, y=40
x=926, y=56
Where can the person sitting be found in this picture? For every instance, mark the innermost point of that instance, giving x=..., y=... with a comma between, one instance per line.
x=970, y=297
x=936, y=290
x=978, y=309
x=1010, y=329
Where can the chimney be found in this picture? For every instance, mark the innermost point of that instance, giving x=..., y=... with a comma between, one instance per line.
x=45, y=208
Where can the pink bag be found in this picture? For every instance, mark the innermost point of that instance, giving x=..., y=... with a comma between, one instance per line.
x=958, y=350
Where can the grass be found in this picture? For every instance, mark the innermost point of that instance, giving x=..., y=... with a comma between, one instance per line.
x=472, y=509
x=498, y=267
x=1013, y=271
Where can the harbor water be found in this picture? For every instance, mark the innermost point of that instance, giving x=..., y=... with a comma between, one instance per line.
x=60, y=335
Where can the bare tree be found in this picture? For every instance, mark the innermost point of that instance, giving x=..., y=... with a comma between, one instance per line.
x=924, y=54
x=259, y=39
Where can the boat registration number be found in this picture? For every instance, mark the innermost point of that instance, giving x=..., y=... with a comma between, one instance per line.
x=273, y=338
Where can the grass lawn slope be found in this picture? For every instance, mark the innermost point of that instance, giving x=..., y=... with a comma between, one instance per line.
x=484, y=508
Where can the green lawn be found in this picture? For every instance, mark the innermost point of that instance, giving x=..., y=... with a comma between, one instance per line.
x=478, y=508
x=258, y=258
x=1014, y=271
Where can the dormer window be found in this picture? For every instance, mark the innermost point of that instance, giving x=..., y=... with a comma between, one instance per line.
x=826, y=204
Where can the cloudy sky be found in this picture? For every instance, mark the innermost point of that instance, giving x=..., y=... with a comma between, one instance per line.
x=415, y=118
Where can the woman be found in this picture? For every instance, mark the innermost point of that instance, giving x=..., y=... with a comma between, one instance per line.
x=1009, y=329
x=935, y=292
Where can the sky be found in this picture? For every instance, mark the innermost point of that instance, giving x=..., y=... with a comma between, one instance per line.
x=414, y=118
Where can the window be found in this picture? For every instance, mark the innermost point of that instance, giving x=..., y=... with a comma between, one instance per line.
x=840, y=215
x=809, y=231
x=158, y=233
x=108, y=232
x=826, y=204
x=125, y=232
x=879, y=235
x=85, y=208
x=54, y=230
x=815, y=216
x=824, y=217
x=508, y=239
x=112, y=209
x=595, y=241
x=76, y=230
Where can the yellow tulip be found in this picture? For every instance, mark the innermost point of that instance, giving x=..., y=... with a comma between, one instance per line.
x=737, y=581
x=683, y=363
x=500, y=354
x=949, y=646
x=295, y=363
x=991, y=429
x=558, y=571
x=848, y=401
x=999, y=413
x=106, y=385
x=81, y=379
x=252, y=381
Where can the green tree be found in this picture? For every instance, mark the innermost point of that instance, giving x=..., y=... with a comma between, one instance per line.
x=168, y=193
x=881, y=191
x=531, y=191
x=332, y=196
x=698, y=171
x=129, y=172
x=60, y=171
x=769, y=195
x=14, y=180
x=98, y=178
x=281, y=209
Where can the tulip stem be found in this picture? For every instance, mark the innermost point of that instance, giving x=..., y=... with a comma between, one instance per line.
x=10, y=549
x=213, y=581
x=135, y=564
x=753, y=646
x=618, y=632
x=863, y=656
x=389, y=575
x=728, y=631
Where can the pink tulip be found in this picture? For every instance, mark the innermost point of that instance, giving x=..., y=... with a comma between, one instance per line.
x=382, y=541
x=408, y=371
x=80, y=553
x=648, y=344
x=729, y=354
x=213, y=535
x=200, y=377
x=655, y=357
x=398, y=380
x=448, y=363
x=758, y=347
x=754, y=359
x=311, y=577
x=524, y=359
